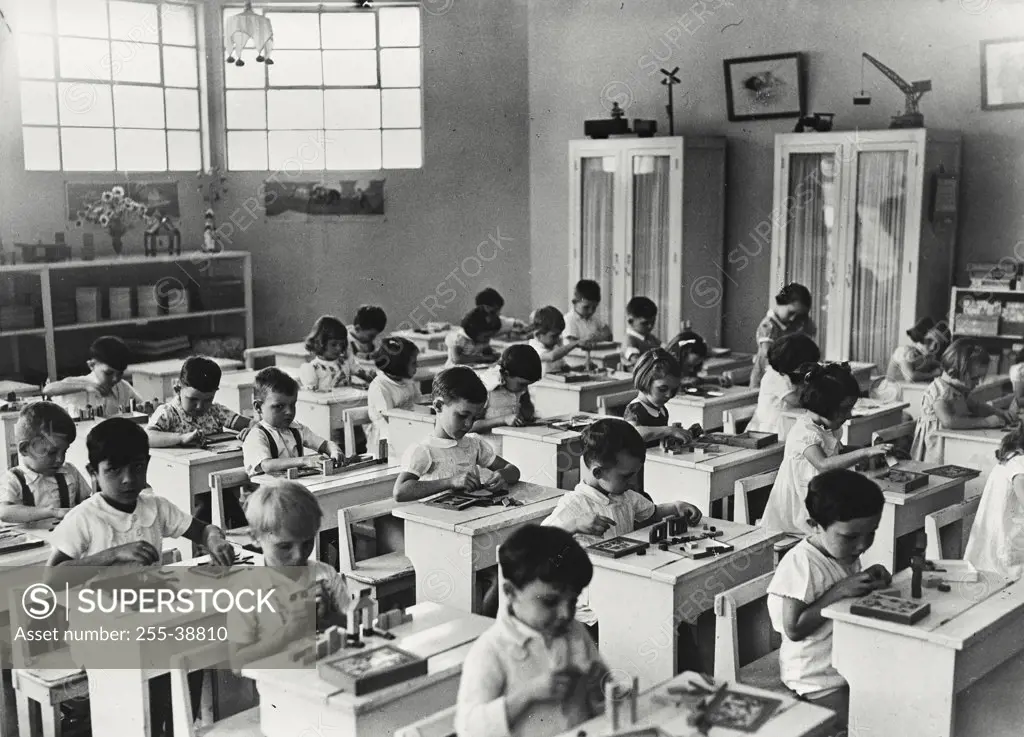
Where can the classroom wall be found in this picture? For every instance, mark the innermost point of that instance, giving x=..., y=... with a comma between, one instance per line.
x=584, y=54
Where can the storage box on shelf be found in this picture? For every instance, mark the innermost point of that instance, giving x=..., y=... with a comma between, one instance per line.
x=989, y=314
x=88, y=306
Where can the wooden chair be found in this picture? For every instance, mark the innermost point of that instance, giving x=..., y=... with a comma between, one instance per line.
x=739, y=416
x=614, y=405
x=387, y=574
x=350, y=418
x=441, y=724
x=243, y=724
x=250, y=355
x=222, y=482
x=947, y=530
x=761, y=484
x=754, y=659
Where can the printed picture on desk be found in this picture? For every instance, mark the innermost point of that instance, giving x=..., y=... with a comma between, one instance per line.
x=159, y=198
x=300, y=200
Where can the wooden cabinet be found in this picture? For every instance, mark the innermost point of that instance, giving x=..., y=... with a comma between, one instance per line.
x=867, y=221
x=646, y=218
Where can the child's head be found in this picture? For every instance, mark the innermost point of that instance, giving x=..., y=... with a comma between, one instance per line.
x=519, y=366
x=1012, y=444
x=198, y=383
x=790, y=354
x=274, y=394
x=847, y=507
x=284, y=518
x=545, y=571
x=396, y=357
x=118, y=458
x=792, y=301
x=937, y=340
x=328, y=339
x=43, y=433
x=481, y=324
x=458, y=398
x=641, y=314
x=108, y=358
x=831, y=391
x=690, y=350
x=657, y=376
x=920, y=329
x=369, y=322
x=586, y=298
x=548, y=324
x=966, y=361
x=613, y=455
x=491, y=299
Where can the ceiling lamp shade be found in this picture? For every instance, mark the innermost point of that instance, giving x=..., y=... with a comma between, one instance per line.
x=248, y=29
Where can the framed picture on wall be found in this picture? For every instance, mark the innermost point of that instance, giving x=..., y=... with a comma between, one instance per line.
x=1002, y=74
x=763, y=87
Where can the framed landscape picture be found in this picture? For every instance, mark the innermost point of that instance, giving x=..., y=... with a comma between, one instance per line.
x=1002, y=74
x=763, y=87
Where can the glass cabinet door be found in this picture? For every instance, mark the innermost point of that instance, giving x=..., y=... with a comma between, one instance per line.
x=650, y=250
x=597, y=227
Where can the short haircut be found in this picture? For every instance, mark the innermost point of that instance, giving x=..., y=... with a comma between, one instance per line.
x=480, y=320
x=642, y=307
x=686, y=344
x=842, y=495
x=606, y=438
x=794, y=293
x=548, y=320
x=489, y=297
x=459, y=383
x=326, y=327
x=792, y=352
x=655, y=364
x=1012, y=444
x=200, y=373
x=112, y=351
x=826, y=387
x=273, y=379
x=284, y=506
x=394, y=356
x=521, y=361
x=42, y=419
x=961, y=354
x=545, y=553
x=118, y=441
x=371, y=317
x=587, y=289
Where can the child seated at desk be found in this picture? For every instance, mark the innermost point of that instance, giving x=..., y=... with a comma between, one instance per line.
x=394, y=386
x=641, y=314
x=471, y=343
x=535, y=672
x=691, y=350
x=789, y=360
x=788, y=315
x=508, y=389
x=548, y=325
x=491, y=299
x=104, y=386
x=276, y=443
x=364, y=338
x=656, y=379
x=828, y=393
x=919, y=361
x=331, y=365
x=947, y=403
x=42, y=485
x=996, y=542
x=582, y=322
x=820, y=570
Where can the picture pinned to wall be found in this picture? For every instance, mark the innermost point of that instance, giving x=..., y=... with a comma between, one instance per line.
x=159, y=198
x=763, y=87
x=1002, y=74
x=304, y=201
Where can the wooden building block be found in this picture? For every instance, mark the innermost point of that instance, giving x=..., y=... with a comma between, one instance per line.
x=891, y=609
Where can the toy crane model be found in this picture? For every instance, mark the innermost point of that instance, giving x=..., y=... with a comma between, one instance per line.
x=911, y=117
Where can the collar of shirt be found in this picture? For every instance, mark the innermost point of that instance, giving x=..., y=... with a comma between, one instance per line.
x=631, y=332
x=954, y=383
x=144, y=514
x=435, y=442
x=387, y=379
x=641, y=400
x=278, y=430
x=30, y=476
x=515, y=629
x=596, y=494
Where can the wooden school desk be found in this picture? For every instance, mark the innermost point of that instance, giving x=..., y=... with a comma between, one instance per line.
x=426, y=340
x=990, y=388
x=641, y=600
x=862, y=373
x=718, y=365
x=688, y=409
x=973, y=449
x=447, y=548
x=322, y=412
x=545, y=455
x=555, y=398
x=934, y=677
x=155, y=379
x=18, y=388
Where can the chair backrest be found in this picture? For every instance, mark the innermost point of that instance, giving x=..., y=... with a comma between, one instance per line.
x=739, y=417
x=740, y=376
x=249, y=355
x=752, y=598
x=746, y=510
x=348, y=516
x=221, y=481
x=947, y=530
x=441, y=724
x=349, y=419
x=614, y=405
x=207, y=656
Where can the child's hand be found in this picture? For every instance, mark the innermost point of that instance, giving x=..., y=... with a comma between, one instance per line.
x=725, y=380
x=514, y=421
x=338, y=456
x=1007, y=416
x=59, y=513
x=496, y=483
x=468, y=481
x=880, y=575
x=596, y=525
x=681, y=434
x=856, y=585
x=690, y=513
x=994, y=421
x=137, y=553
x=192, y=438
x=555, y=686
x=881, y=449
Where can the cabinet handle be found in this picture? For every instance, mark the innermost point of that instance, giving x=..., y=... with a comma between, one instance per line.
x=615, y=264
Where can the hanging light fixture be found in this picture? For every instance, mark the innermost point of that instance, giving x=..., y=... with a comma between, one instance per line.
x=248, y=29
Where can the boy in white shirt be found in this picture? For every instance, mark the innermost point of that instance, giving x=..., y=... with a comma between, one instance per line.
x=493, y=301
x=581, y=322
x=103, y=386
x=548, y=326
x=364, y=338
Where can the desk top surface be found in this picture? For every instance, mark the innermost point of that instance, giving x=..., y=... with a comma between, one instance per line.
x=537, y=501
x=342, y=395
x=19, y=388
x=935, y=485
x=612, y=379
x=543, y=432
x=337, y=481
x=727, y=457
x=172, y=366
x=991, y=436
x=729, y=395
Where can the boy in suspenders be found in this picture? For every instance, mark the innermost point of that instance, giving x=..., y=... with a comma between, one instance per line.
x=42, y=486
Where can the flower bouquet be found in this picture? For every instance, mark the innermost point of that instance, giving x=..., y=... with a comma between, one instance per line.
x=115, y=212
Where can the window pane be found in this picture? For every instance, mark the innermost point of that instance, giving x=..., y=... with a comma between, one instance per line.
x=348, y=30
x=294, y=151
x=295, y=30
x=247, y=109
x=139, y=150
x=350, y=68
x=295, y=109
x=182, y=109
x=87, y=149
x=138, y=107
x=35, y=57
x=134, y=22
x=180, y=67
x=399, y=27
x=353, y=150
x=178, y=23
x=296, y=69
x=400, y=67
x=403, y=149
x=183, y=151
x=247, y=150
x=84, y=59
x=85, y=104
x=400, y=108
x=352, y=108
x=82, y=18
x=253, y=74
x=38, y=103
x=135, y=62
x=42, y=152
x=34, y=17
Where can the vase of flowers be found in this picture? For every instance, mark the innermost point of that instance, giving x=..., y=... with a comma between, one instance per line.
x=115, y=212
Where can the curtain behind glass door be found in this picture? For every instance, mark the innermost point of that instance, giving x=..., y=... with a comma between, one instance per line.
x=650, y=246
x=596, y=226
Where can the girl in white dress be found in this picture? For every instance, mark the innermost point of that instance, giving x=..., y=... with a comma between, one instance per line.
x=332, y=364
x=997, y=535
x=393, y=387
x=780, y=387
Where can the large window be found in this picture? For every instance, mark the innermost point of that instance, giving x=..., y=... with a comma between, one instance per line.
x=109, y=85
x=344, y=93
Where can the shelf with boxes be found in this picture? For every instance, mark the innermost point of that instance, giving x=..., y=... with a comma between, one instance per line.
x=987, y=312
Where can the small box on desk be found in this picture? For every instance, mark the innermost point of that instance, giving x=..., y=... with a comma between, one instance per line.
x=120, y=301
x=372, y=669
x=88, y=305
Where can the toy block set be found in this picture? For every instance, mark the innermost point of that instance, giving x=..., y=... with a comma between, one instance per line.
x=694, y=544
x=577, y=377
x=750, y=440
x=354, y=463
x=891, y=608
x=902, y=481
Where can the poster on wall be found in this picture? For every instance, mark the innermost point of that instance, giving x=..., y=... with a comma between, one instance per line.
x=1002, y=74
x=306, y=200
x=159, y=198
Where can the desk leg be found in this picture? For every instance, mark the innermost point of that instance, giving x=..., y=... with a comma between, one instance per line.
x=119, y=702
x=444, y=566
